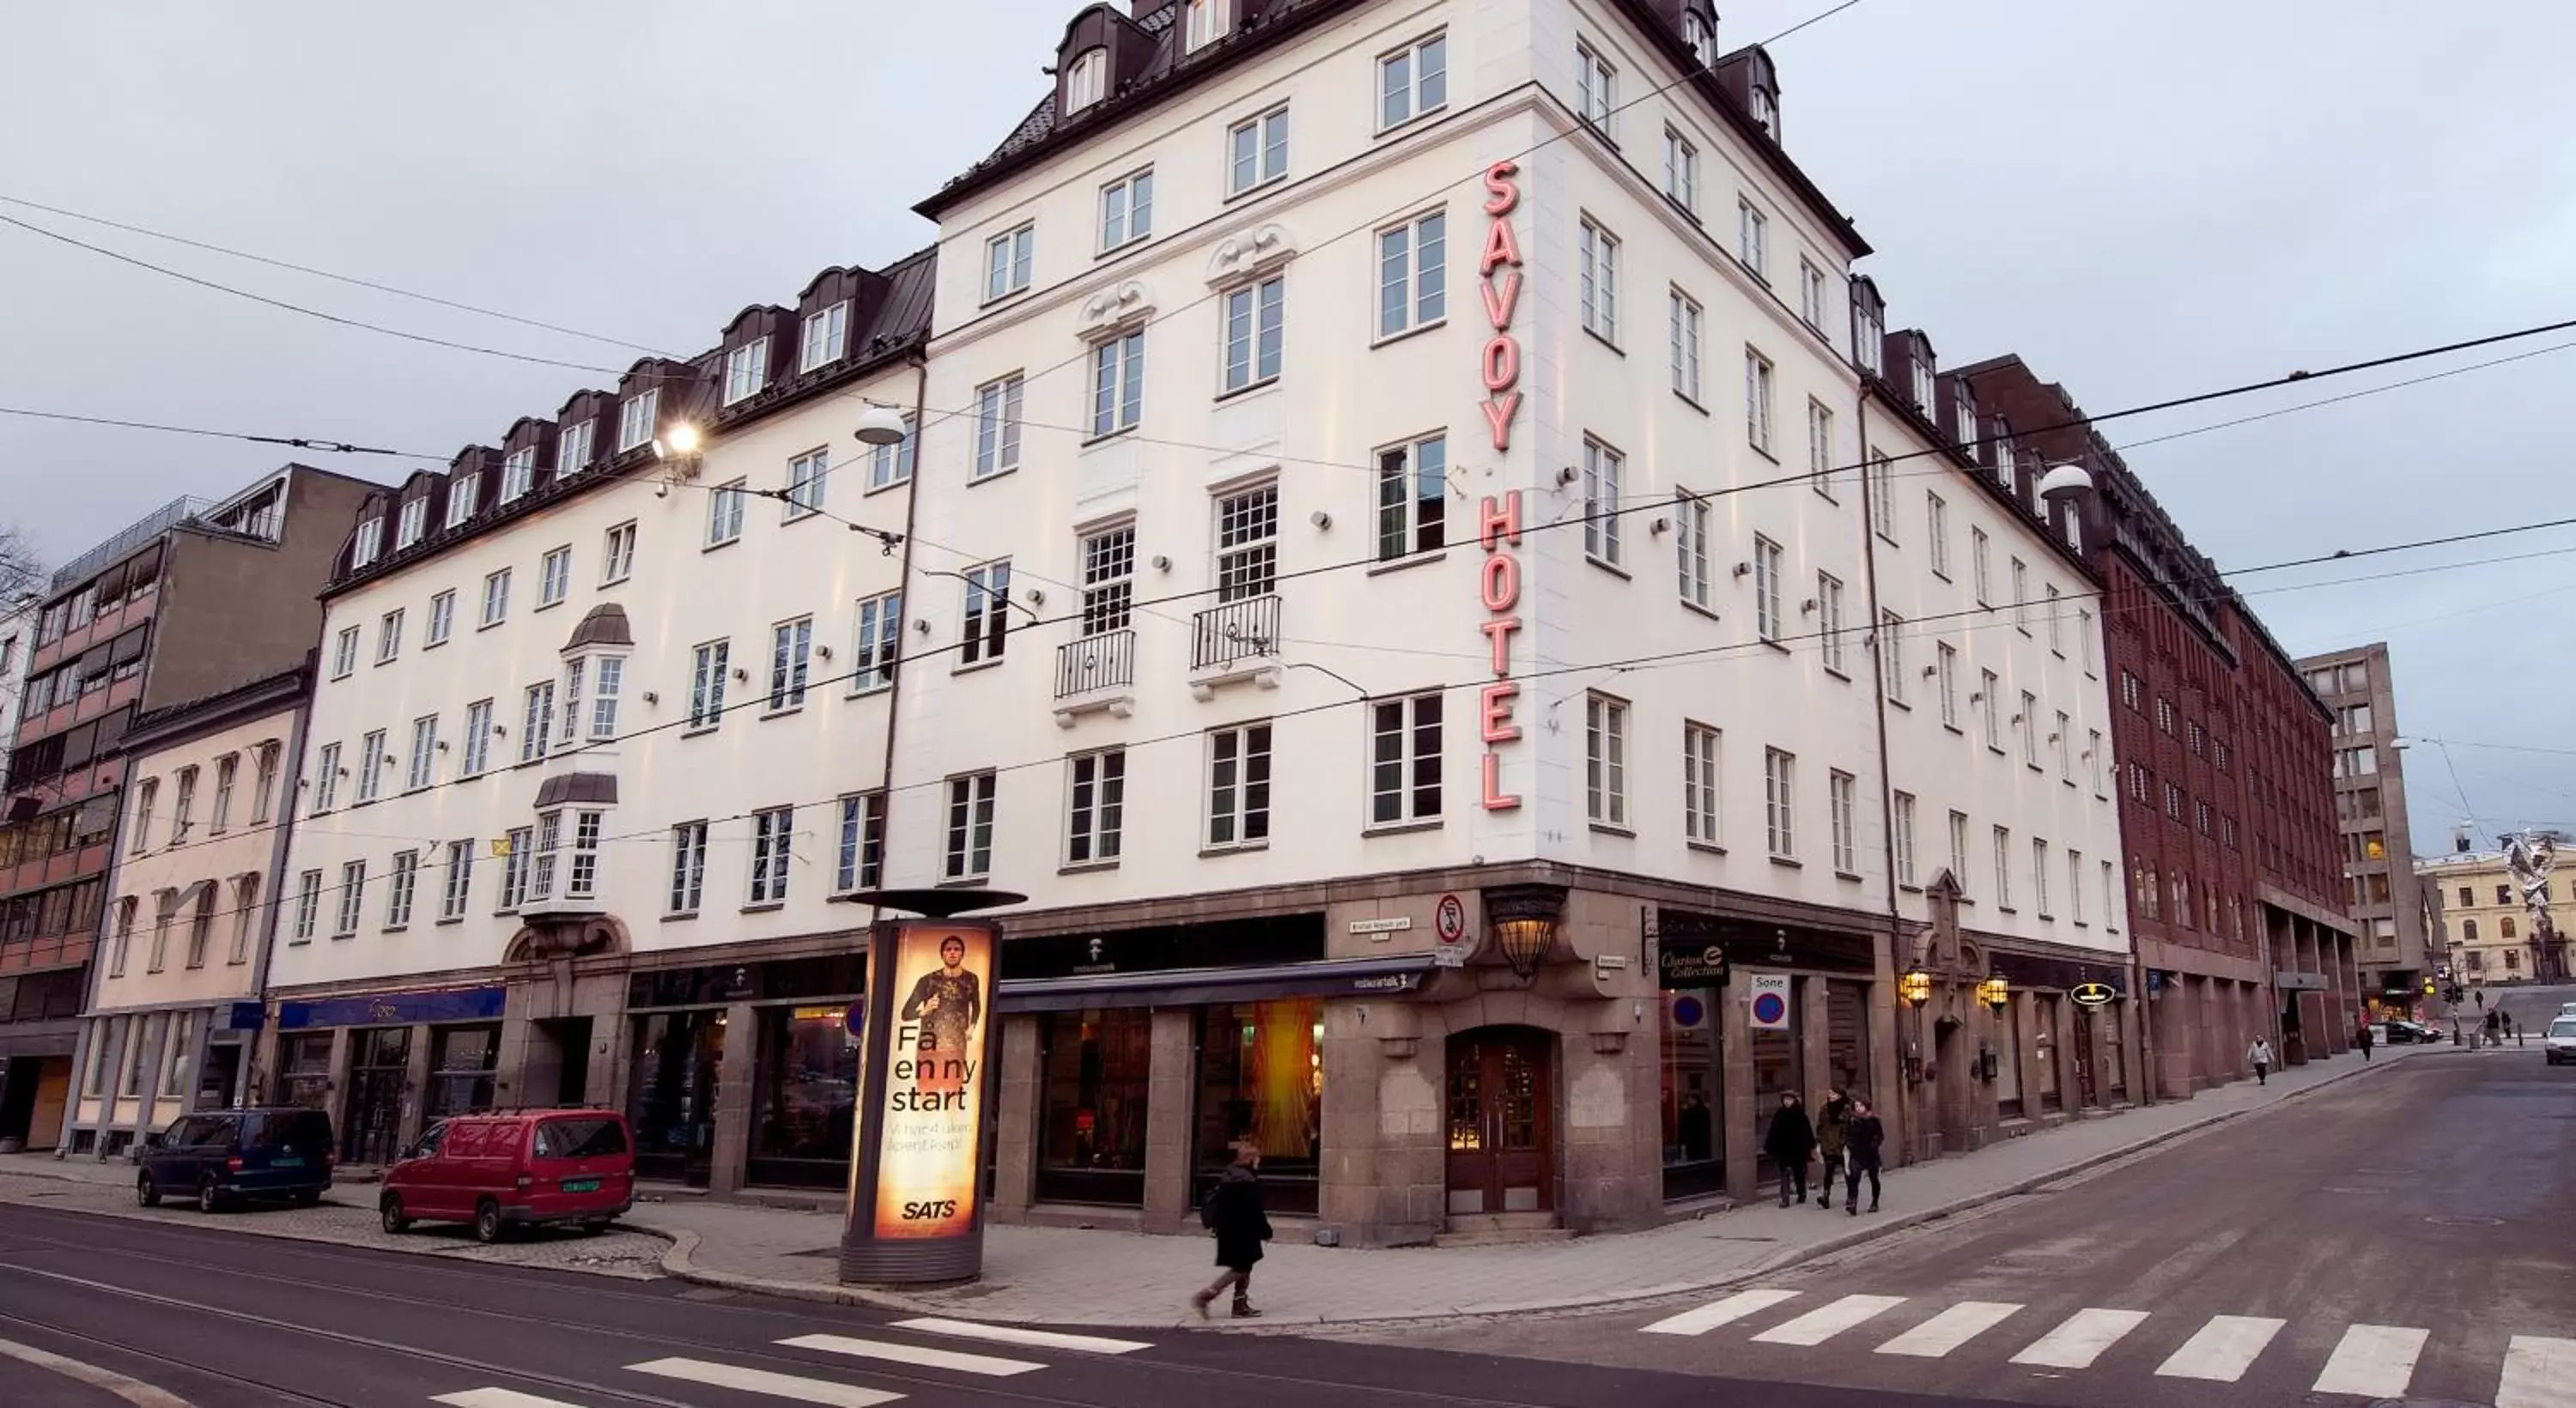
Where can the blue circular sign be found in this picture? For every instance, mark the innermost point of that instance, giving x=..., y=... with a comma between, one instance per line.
x=1688, y=1012
x=1770, y=1008
x=856, y=1019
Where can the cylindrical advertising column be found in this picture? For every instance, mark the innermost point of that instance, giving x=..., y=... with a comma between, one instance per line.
x=916, y=1211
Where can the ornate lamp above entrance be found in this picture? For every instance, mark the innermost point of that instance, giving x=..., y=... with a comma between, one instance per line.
x=1524, y=920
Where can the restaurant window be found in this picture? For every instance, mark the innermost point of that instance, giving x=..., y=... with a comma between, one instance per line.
x=1694, y=1105
x=1261, y=1077
x=678, y=1059
x=1095, y=1067
x=463, y=1061
x=804, y=1097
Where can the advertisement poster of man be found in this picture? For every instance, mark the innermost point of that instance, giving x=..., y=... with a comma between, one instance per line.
x=934, y=1089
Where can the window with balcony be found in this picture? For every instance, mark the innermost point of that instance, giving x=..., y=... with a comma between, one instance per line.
x=1404, y=760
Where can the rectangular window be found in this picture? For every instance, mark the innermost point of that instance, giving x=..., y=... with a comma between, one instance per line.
x=1108, y=580
x=185, y=806
x=807, y=476
x=2084, y=644
x=987, y=625
x=617, y=555
x=969, y=853
x=369, y=542
x=1811, y=293
x=389, y=637
x=442, y=619
x=2021, y=595
x=1959, y=849
x=518, y=850
x=1779, y=803
x=461, y=494
x=639, y=419
x=2110, y=898
x=1256, y=151
x=1980, y=564
x=1882, y=496
x=326, y=781
x=1605, y=760
x=226, y=769
x=724, y=514
x=2056, y=640
x=308, y=904
x=688, y=867
x=371, y=765
x=496, y=598
x=1753, y=238
x=773, y=837
x=536, y=722
x=1206, y=23
x=1685, y=346
x=263, y=786
x=1238, y=786
x=344, y=653
x=1820, y=447
x=1412, y=498
x=1007, y=261
x=1127, y=210
x=1946, y=664
x=1700, y=784
x=827, y=334
x=1681, y=171
x=1690, y=549
x=422, y=762
x=478, y=739
x=1247, y=543
x=554, y=578
x=880, y=633
x=2028, y=718
x=791, y=650
x=1757, y=400
x=1904, y=812
x=1413, y=275
x=1117, y=384
x=1829, y=611
x=997, y=425
x=608, y=684
x=2039, y=876
x=413, y=523
x=1596, y=267
x=1096, y=806
x=398, y=893
x=1843, y=793
x=582, y=882
x=1936, y=532
x=353, y=889
x=1602, y=470
x=709, y=666
x=1413, y=81
x=458, y=880
x=2075, y=886
x=572, y=450
x=1990, y=693
x=1254, y=334
x=2065, y=748
x=1596, y=89
x=1766, y=588
x=1404, y=760
x=145, y=795
x=2093, y=755
x=860, y=861
x=1891, y=654
x=889, y=465
x=2003, y=867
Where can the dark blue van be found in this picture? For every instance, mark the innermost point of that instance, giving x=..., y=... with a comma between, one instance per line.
x=226, y=1156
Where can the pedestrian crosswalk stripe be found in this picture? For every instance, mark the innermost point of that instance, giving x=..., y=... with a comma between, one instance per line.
x=499, y=1398
x=803, y=1390
x=2538, y=1373
x=2374, y=1361
x=2222, y=1350
x=1702, y=1319
x=1826, y=1321
x=1950, y=1329
x=914, y=1354
x=2080, y=1339
x=1013, y=1334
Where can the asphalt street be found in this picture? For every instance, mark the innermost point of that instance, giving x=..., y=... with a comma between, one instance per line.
x=2400, y=1237
x=219, y=1320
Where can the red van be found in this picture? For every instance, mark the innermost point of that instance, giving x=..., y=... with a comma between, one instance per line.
x=514, y=1169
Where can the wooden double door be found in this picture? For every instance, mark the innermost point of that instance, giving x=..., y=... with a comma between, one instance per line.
x=1502, y=1122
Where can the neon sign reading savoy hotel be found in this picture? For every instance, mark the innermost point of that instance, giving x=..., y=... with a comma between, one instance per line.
x=1498, y=521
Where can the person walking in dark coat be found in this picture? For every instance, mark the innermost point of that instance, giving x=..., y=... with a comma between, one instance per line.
x=1790, y=1142
x=1833, y=1120
x=1865, y=1143
x=2363, y=1040
x=1233, y=1212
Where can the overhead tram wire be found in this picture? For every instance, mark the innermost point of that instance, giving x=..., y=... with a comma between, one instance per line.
x=294, y=442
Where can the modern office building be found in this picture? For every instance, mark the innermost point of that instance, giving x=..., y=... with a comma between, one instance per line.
x=2396, y=956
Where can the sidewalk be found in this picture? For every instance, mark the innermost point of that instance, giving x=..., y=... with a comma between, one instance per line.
x=1046, y=1275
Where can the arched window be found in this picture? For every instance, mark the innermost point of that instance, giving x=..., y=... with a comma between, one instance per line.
x=2468, y=931
x=2504, y=927
x=1088, y=81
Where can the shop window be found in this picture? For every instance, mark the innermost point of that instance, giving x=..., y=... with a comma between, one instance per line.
x=678, y=1059
x=2008, y=1103
x=1261, y=1077
x=2043, y=1054
x=804, y=1097
x=371, y=1123
x=462, y=1063
x=304, y=1070
x=1091, y=1136
x=1694, y=1103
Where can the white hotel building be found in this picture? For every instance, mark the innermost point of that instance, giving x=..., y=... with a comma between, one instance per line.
x=1385, y=570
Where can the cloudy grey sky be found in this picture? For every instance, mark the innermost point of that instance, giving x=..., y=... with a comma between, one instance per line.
x=2143, y=200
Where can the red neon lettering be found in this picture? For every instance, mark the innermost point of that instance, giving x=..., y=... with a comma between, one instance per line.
x=1500, y=248
x=1502, y=361
x=1496, y=799
x=1501, y=297
x=1500, y=517
x=1499, y=632
x=1499, y=413
x=1501, y=582
x=1506, y=191
x=1497, y=710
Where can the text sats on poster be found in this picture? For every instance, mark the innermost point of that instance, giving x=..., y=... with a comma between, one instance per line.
x=934, y=1088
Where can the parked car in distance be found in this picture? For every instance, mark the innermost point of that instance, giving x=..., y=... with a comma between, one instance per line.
x=2560, y=1043
x=2405, y=1032
x=515, y=1169
x=222, y=1157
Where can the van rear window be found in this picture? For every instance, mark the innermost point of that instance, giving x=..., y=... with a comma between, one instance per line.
x=589, y=1137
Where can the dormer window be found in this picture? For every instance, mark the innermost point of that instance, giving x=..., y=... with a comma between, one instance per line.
x=414, y=522
x=1766, y=112
x=1967, y=418
x=637, y=418
x=572, y=449
x=1869, y=336
x=1087, y=82
x=746, y=370
x=370, y=541
x=1204, y=23
x=461, y=493
x=518, y=473
x=2004, y=461
x=827, y=334
x=1924, y=400
x=1701, y=38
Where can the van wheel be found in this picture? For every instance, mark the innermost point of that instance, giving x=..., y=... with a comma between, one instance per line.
x=210, y=1198
x=488, y=1226
x=146, y=1192
x=391, y=1209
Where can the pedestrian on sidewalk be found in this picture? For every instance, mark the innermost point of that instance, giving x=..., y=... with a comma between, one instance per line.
x=1233, y=1212
x=2259, y=1056
x=2506, y=1018
x=1790, y=1142
x=2495, y=1016
x=1865, y=1144
x=2362, y=1039
x=1833, y=1123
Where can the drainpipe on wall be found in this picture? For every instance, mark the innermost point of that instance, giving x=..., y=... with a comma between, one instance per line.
x=911, y=507
x=1886, y=769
